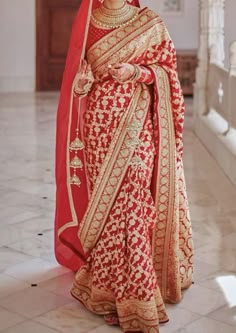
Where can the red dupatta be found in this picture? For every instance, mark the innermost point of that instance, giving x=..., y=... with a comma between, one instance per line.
x=71, y=204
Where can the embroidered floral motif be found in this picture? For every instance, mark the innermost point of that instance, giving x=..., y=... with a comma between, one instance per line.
x=121, y=263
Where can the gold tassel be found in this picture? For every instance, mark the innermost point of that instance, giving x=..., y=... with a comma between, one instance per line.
x=76, y=163
x=76, y=145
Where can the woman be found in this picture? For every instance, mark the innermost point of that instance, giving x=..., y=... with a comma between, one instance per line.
x=122, y=217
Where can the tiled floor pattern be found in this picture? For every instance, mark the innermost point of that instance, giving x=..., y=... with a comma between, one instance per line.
x=27, y=132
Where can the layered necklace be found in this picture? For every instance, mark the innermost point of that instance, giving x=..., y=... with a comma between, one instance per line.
x=114, y=18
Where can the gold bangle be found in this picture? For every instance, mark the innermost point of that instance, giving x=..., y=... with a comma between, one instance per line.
x=135, y=76
x=79, y=94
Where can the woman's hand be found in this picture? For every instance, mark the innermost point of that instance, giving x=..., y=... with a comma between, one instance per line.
x=122, y=72
x=84, y=79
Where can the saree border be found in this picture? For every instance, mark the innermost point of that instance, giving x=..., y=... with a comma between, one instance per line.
x=166, y=199
x=149, y=315
x=74, y=221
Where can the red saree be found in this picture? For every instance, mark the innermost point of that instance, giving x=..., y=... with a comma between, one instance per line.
x=122, y=217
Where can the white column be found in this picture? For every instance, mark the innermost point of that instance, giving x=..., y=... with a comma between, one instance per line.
x=216, y=28
x=232, y=58
x=201, y=74
x=211, y=37
x=232, y=86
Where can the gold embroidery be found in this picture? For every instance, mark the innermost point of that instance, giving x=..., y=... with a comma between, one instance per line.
x=75, y=180
x=113, y=169
x=119, y=48
x=112, y=47
x=110, y=18
x=138, y=162
x=134, y=142
x=170, y=195
x=76, y=163
x=135, y=125
x=76, y=145
x=167, y=187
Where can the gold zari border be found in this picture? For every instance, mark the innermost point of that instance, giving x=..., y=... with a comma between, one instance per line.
x=166, y=231
x=134, y=314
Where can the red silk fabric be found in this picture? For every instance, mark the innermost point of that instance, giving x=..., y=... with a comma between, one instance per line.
x=126, y=229
x=64, y=254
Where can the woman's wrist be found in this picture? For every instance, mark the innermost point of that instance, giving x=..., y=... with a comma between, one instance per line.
x=142, y=74
x=126, y=72
x=136, y=73
x=81, y=89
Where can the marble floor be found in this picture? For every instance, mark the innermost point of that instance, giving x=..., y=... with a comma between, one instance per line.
x=34, y=289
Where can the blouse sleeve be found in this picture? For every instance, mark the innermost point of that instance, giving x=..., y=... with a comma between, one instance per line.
x=145, y=75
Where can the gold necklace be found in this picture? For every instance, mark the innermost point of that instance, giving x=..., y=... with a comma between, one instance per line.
x=114, y=18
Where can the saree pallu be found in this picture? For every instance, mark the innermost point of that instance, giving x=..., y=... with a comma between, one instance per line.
x=132, y=228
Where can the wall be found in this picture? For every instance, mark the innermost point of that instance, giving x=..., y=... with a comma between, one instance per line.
x=184, y=28
x=17, y=40
x=230, y=26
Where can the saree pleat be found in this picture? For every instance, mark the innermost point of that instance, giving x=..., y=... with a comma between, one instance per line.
x=119, y=274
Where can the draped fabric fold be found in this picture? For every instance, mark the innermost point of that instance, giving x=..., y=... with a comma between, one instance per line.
x=122, y=217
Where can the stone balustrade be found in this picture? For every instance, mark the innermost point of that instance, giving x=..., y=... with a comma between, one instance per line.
x=215, y=89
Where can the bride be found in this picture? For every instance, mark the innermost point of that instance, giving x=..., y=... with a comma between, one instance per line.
x=122, y=216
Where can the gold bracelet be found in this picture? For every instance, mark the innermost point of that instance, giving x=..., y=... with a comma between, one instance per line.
x=79, y=94
x=135, y=76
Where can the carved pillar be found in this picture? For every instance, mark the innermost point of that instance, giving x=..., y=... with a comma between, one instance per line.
x=216, y=29
x=232, y=75
x=232, y=58
x=211, y=35
x=201, y=74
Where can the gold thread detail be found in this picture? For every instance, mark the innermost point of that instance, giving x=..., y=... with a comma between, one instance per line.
x=111, y=19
